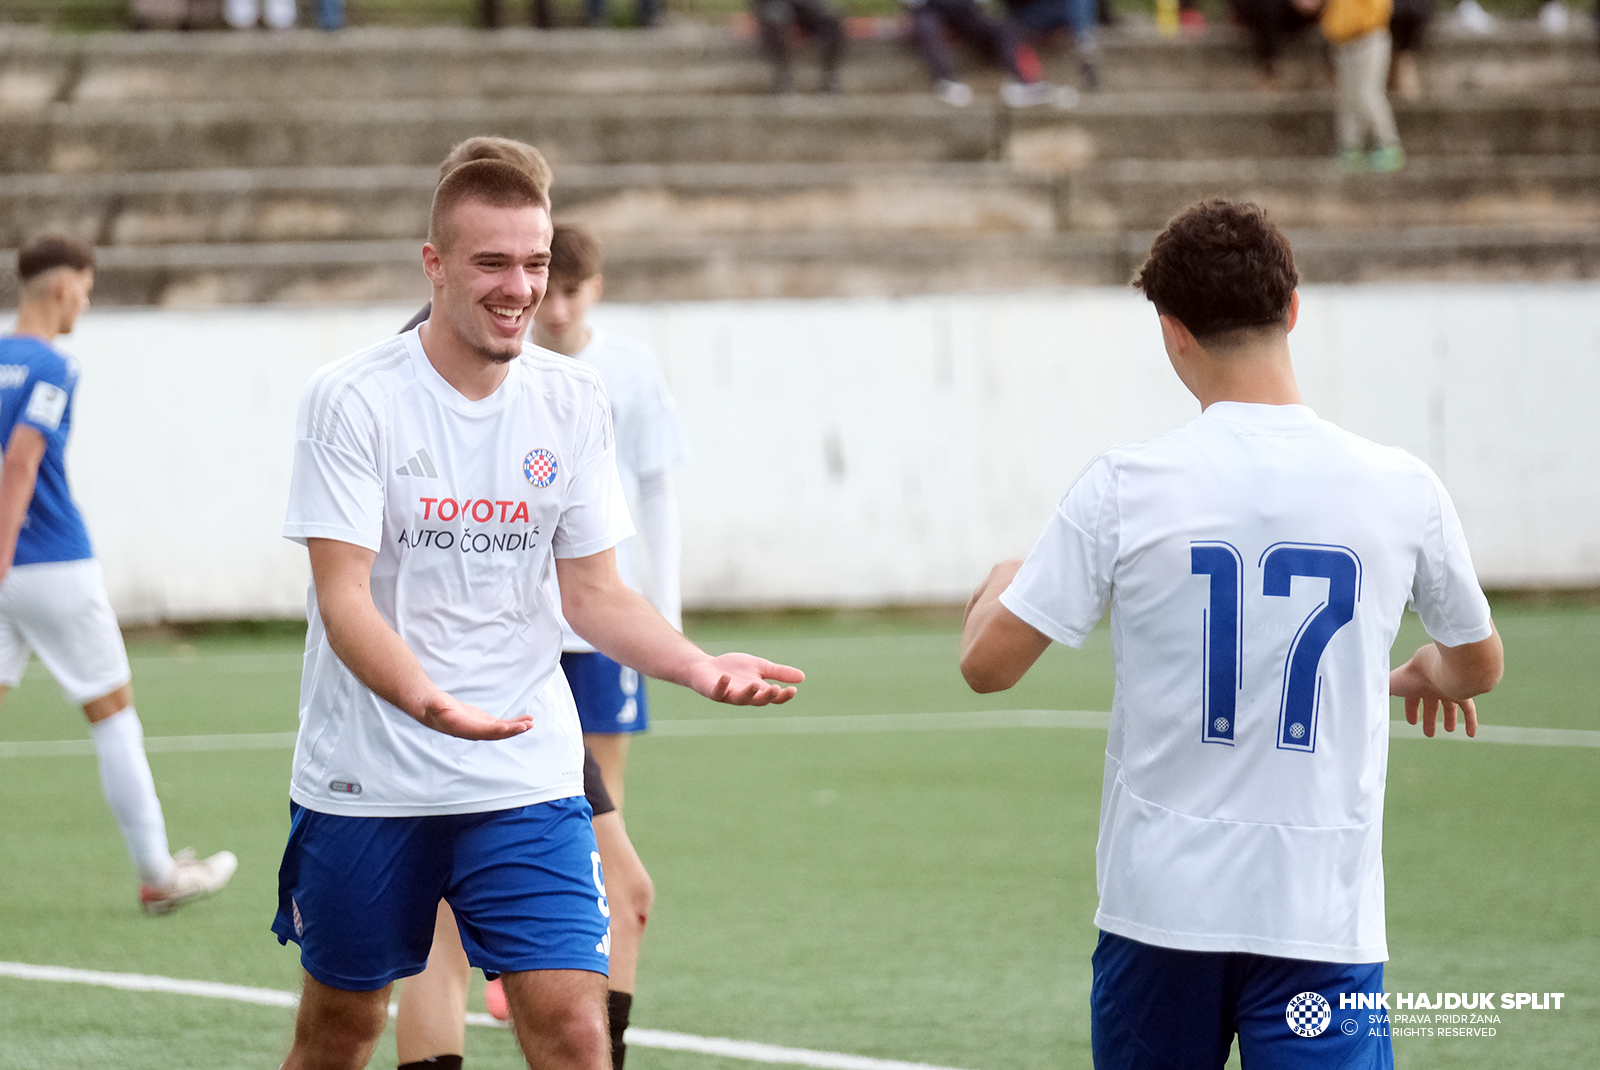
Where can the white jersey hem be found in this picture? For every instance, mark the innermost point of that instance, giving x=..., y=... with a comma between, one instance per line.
x=482, y=806
x=1239, y=943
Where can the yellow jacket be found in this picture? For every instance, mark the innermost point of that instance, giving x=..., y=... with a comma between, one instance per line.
x=1346, y=20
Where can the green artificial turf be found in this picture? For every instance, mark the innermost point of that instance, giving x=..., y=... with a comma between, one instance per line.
x=915, y=895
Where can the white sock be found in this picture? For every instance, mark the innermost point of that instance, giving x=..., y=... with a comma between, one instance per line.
x=131, y=791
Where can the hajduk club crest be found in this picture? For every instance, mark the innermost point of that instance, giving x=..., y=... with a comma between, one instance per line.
x=540, y=467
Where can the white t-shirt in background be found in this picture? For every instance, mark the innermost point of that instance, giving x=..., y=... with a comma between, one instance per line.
x=1256, y=562
x=465, y=503
x=650, y=441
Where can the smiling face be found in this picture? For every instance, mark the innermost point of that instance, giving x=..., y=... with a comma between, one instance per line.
x=489, y=275
x=559, y=324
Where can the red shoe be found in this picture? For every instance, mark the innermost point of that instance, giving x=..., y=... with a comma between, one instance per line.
x=494, y=998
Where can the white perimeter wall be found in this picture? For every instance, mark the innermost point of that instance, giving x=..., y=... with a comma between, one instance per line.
x=856, y=451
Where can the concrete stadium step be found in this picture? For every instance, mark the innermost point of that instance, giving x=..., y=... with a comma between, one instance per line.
x=385, y=203
x=529, y=65
x=69, y=139
x=1506, y=191
x=639, y=201
x=817, y=265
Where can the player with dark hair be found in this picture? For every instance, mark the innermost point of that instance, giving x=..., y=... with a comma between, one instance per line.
x=1256, y=563
x=52, y=596
x=439, y=477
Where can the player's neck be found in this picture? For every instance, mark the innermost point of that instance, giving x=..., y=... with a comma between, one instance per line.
x=575, y=341
x=473, y=375
x=38, y=321
x=1257, y=375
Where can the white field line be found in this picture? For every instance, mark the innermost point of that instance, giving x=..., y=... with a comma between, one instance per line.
x=644, y=1038
x=805, y=726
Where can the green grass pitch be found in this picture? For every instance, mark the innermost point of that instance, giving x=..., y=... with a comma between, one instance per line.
x=915, y=895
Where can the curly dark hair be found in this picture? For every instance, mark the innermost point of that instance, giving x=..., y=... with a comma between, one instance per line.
x=1220, y=267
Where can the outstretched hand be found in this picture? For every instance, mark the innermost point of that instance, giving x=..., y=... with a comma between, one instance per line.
x=743, y=680
x=443, y=713
x=1413, y=682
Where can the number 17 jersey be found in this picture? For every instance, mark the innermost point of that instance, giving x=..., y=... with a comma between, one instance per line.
x=1256, y=563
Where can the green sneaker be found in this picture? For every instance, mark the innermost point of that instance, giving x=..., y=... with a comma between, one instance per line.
x=1352, y=161
x=1389, y=158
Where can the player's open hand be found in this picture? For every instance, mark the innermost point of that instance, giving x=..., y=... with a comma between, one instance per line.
x=443, y=713
x=744, y=680
x=1413, y=682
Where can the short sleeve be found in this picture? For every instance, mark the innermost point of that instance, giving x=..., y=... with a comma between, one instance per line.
x=335, y=491
x=1065, y=583
x=1445, y=593
x=595, y=514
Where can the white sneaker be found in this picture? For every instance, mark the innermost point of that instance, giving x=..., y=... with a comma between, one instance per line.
x=192, y=878
x=1027, y=94
x=955, y=94
x=1471, y=16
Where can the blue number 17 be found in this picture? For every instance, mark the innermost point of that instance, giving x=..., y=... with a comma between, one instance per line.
x=1223, y=633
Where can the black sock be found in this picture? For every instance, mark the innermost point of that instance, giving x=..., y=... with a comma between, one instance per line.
x=618, y=1004
x=438, y=1062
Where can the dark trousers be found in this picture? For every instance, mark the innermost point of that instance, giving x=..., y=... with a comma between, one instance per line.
x=541, y=14
x=1271, y=25
x=930, y=20
x=815, y=18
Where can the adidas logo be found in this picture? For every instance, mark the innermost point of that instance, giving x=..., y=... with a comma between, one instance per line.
x=419, y=465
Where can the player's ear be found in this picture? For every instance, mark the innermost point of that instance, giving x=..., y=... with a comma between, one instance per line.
x=1294, y=310
x=432, y=263
x=599, y=284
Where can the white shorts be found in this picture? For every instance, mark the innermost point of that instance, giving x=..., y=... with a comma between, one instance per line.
x=59, y=611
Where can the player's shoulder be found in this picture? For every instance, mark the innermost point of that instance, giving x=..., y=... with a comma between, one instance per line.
x=549, y=371
x=22, y=357
x=1376, y=457
x=364, y=379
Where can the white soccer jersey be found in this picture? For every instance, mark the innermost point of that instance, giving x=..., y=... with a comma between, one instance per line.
x=464, y=502
x=1256, y=562
x=650, y=439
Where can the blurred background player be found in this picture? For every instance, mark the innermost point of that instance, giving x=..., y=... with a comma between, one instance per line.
x=933, y=21
x=818, y=20
x=53, y=597
x=430, y=1030
x=1256, y=563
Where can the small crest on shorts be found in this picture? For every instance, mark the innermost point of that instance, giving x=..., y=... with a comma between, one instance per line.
x=540, y=467
x=345, y=787
x=1308, y=1014
x=299, y=923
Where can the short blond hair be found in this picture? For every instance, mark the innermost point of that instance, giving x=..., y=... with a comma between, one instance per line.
x=491, y=182
x=518, y=154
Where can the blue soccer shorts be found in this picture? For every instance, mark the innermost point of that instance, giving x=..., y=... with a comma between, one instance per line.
x=610, y=696
x=360, y=894
x=1156, y=1007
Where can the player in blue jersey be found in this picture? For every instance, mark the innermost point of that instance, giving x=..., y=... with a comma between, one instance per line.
x=1256, y=563
x=52, y=596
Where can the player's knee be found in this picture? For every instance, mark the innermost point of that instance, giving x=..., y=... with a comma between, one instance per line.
x=637, y=897
x=577, y=1036
x=331, y=1038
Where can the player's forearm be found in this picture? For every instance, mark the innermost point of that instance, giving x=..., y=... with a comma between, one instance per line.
x=1465, y=671
x=624, y=626
x=377, y=656
x=997, y=649
x=17, y=479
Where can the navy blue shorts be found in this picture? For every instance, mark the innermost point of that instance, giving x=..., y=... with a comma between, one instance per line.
x=1156, y=1007
x=610, y=696
x=360, y=894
